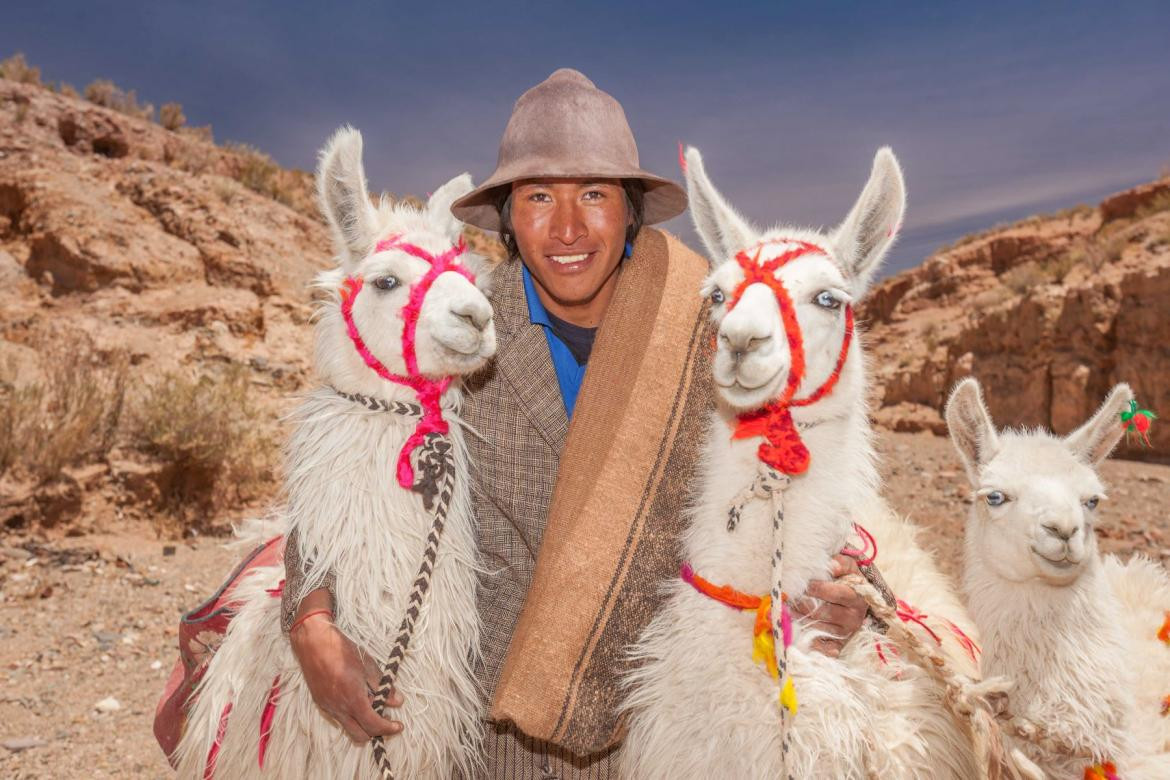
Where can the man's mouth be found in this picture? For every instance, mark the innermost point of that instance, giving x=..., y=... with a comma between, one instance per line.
x=571, y=260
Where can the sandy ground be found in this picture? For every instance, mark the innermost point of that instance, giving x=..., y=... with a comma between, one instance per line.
x=89, y=618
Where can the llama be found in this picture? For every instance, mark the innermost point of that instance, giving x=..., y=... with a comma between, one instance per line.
x=1074, y=631
x=787, y=368
x=402, y=305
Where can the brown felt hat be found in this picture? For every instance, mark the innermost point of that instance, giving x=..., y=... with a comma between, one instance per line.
x=565, y=127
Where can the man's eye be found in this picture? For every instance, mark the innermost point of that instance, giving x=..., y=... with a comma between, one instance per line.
x=539, y=197
x=594, y=195
x=386, y=282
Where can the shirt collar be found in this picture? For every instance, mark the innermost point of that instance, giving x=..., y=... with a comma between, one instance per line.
x=537, y=314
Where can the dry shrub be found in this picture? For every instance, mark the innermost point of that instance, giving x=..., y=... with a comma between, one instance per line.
x=1024, y=277
x=260, y=173
x=68, y=90
x=256, y=170
x=205, y=430
x=171, y=116
x=69, y=417
x=201, y=133
x=16, y=68
x=1158, y=204
x=107, y=94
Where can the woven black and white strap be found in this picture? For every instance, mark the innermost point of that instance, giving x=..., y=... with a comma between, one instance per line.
x=435, y=473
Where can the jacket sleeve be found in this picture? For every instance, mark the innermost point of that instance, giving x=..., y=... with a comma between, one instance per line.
x=294, y=582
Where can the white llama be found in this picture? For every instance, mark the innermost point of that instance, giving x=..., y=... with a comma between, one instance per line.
x=1076, y=633
x=402, y=317
x=699, y=705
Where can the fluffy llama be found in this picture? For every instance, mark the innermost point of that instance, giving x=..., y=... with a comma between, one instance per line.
x=699, y=705
x=1074, y=631
x=403, y=316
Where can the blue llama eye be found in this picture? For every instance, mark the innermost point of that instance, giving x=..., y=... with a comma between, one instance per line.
x=717, y=296
x=386, y=282
x=1092, y=502
x=826, y=300
x=995, y=498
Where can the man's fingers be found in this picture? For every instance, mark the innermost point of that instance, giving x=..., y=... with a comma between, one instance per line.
x=351, y=727
x=844, y=565
x=374, y=725
x=828, y=646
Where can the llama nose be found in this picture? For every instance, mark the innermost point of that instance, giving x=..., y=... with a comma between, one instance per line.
x=743, y=342
x=475, y=315
x=1063, y=534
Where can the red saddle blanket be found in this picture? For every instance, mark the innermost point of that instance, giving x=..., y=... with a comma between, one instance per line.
x=200, y=632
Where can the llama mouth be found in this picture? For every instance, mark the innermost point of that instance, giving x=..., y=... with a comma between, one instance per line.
x=738, y=384
x=1059, y=563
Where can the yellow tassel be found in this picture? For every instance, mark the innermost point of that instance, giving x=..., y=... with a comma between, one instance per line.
x=788, y=695
x=764, y=649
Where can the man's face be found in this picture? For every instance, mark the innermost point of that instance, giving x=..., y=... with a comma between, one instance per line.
x=571, y=234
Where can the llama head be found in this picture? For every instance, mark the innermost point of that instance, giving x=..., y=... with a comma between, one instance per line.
x=1036, y=494
x=411, y=283
x=822, y=273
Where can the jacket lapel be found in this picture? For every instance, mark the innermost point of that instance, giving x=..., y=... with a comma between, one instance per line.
x=523, y=358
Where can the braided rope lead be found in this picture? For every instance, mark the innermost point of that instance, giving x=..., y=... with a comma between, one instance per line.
x=436, y=484
x=775, y=483
x=979, y=704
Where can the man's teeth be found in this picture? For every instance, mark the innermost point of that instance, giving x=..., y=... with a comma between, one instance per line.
x=566, y=259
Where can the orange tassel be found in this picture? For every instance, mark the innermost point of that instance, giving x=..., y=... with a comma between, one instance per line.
x=1164, y=631
x=1102, y=771
x=1166, y=706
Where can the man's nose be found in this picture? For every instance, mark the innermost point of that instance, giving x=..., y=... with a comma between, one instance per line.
x=567, y=225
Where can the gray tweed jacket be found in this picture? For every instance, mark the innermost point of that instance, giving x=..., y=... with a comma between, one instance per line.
x=515, y=406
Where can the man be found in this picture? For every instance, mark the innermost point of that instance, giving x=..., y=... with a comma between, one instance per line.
x=578, y=523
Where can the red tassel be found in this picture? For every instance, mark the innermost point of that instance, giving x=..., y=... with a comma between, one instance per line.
x=1164, y=631
x=213, y=753
x=278, y=590
x=267, y=716
x=682, y=161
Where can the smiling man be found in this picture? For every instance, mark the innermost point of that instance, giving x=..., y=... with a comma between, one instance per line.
x=599, y=322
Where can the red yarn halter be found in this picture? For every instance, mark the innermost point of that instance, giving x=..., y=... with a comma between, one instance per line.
x=783, y=449
x=428, y=391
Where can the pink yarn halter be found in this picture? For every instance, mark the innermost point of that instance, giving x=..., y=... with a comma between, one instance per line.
x=428, y=391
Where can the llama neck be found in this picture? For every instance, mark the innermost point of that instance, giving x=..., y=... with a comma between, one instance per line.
x=1062, y=647
x=353, y=520
x=819, y=505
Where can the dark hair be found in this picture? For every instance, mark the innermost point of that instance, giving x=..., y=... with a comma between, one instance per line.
x=635, y=192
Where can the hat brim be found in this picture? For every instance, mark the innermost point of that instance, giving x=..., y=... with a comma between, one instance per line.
x=663, y=199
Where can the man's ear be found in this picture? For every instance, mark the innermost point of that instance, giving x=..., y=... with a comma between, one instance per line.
x=1094, y=440
x=866, y=235
x=344, y=197
x=970, y=426
x=723, y=231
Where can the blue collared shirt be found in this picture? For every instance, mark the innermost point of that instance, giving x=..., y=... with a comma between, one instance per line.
x=570, y=373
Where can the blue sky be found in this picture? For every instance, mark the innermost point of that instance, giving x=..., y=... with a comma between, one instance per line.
x=996, y=110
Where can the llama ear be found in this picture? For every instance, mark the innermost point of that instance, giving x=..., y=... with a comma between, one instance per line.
x=862, y=240
x=722, y=229
x=343, y=194
x=439, y=205
x=970, y=427
x=1094, y=440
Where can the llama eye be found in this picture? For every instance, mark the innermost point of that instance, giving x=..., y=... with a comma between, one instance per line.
x=1092, y=502
x=995, y=498
x=826, y=300
x=386, y=282
x=717, y=296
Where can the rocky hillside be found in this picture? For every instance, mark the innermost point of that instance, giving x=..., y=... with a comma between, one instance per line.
x=155, y=314
x=1049, y=313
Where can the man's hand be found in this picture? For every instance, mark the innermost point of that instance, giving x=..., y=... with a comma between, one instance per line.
x=339, y=676
x=841, y=611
